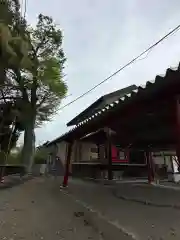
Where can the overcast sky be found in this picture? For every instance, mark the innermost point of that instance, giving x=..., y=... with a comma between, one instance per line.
x=102, y=35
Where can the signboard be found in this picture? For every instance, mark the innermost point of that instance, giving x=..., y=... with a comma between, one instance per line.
x=119, y=155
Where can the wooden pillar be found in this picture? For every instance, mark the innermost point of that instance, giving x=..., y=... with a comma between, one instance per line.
x=98, y=151
x=172, y=165
x=68, y=160
x=109, y=153
x=150, y=166
x=178, y=129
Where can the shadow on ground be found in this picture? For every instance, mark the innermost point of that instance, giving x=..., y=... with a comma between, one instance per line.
x=12, y=181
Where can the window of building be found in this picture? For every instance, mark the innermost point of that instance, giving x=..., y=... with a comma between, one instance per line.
x=137, y=157
x=122, y=155
x=94, y=153
x=94, y=150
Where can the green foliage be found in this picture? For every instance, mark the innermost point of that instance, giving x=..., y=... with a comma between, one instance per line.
x=14, y=46
x=47, y=41
x=42, y=87
x=51, y=76
x=9, y=11
x=35, y=59
x=40, y=156
x=32, y=61
x=9, y=131
x=14, y=158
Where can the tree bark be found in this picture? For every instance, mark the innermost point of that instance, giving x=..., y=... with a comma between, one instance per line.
x=27, y=156
x=2, y=74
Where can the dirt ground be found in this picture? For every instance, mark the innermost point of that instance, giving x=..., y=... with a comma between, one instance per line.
x=34, y=210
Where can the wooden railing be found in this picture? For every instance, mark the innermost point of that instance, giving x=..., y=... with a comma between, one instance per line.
x=11, y=169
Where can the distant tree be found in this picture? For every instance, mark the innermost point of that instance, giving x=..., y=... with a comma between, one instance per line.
x=14, y=155
x=40, y=155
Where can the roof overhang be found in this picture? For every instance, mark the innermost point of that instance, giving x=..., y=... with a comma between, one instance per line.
x=145, y=98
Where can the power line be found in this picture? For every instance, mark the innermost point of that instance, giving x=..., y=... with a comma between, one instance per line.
x=123, y=67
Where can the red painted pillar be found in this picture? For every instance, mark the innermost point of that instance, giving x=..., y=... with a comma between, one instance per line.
x=68, y=160
x=109, y=153
x=110, y=172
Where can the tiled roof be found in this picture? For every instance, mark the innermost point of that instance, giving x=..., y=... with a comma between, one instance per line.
x=119, y=101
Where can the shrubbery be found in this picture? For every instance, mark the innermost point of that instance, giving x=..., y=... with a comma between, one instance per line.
x=40, y=156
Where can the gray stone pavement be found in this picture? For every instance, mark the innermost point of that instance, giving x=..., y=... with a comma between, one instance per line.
x=13, y=180
x=38, y=209
x=161, y=196
x=135, y=218
x=164, y=194
x=33, y=211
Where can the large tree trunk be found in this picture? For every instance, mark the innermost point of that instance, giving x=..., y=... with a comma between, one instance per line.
x=2, y=73
x=27, y=156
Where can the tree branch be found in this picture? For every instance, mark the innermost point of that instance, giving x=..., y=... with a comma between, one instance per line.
x=22, y=88
x=46, y=95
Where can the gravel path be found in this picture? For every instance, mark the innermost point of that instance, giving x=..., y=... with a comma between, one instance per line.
x=35, y=210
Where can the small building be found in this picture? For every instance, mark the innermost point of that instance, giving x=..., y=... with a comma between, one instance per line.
x=122, y=133
x=89, y=157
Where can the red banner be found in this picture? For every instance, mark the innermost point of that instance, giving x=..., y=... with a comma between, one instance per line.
x=119, y=155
